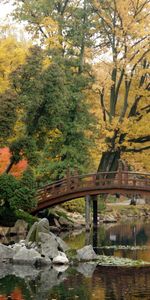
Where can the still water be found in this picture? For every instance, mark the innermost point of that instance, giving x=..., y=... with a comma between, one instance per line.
x=86, y=281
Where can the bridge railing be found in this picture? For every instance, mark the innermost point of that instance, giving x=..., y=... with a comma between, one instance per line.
x=94, y=180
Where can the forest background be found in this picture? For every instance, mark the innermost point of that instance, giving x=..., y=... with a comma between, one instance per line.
x=74, y=92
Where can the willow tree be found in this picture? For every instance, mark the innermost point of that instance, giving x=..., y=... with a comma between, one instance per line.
x=122, y=77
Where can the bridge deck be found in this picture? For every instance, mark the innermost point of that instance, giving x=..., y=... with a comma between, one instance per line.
x=72, y=187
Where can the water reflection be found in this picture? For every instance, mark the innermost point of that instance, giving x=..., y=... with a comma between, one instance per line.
x=133, y=234
x=88, y=282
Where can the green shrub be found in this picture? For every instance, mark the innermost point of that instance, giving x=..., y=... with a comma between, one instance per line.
x=23, y=215
x=101, y=204
x=18, y=193
x=77, y=205
x=24, y=196
x=7, y=216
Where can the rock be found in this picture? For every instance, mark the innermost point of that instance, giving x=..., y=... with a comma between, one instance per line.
x=36, y=229
x=48, y=245
x=43, y=226
x=109, y=219
x=61, y=259
x=31, y=236
x=61, y=244
x=16, y=247
x=6, y=253
x=56, y=223
x=65, y=223
x=19, y=228
x=3, y=231
x=86, y=253
x=26, y=256
x=54, y=229
x=39, y=248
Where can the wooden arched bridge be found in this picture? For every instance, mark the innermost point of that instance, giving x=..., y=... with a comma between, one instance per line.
x=73, y=187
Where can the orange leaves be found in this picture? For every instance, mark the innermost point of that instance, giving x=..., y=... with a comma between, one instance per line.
x=17, y=294
x=17, y=170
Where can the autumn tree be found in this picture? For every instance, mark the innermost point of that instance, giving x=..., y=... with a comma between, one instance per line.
x=115, y=35
x=12, y=54
x=122, y=77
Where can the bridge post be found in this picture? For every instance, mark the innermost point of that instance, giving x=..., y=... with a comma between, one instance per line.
x=68, y=178
x=87, y=212
x=119, y=175
x=126, y=174
x=95, y=206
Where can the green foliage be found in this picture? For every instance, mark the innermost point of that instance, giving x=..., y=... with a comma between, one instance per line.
x=24, y=196
x=24, y=148
x=20, y=214
x=8, y=186
x=77, y=205
x=18, y=194
x=101, y=204
x=7, y=115
x=7, y=216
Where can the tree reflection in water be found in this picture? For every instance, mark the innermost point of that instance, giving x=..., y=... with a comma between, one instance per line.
x=86, y=282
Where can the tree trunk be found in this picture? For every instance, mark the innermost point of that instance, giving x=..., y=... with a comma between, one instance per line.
x=10, y=165
x=109, y=161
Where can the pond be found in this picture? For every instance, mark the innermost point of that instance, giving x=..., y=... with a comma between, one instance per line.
x=87, y=281
x=134, y=235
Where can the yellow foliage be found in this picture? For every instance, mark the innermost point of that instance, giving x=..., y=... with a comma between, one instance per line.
x=12, y=54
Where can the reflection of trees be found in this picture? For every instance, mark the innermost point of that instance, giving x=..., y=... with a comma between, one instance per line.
x=123, y=283
x=141, y=237
x=31, y=287
x=12, y=286
x=75, y=286
x=112, y=283
x=127, y=234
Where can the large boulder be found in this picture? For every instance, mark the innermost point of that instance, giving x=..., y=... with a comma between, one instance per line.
x=6, y=253
x=48, y=245
x=36, y=229
x=31, y=236
x=26, y=256
x=87, y=253
x=42, y=240
x=43, y=225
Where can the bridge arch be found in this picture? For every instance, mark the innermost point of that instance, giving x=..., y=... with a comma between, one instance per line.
x=74, y=187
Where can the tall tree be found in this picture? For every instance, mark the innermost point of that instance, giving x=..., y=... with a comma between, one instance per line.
x=59, y=89
x=122, y=42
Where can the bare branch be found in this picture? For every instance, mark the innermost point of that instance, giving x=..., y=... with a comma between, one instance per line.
x=137, y=150
x=141, y=139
